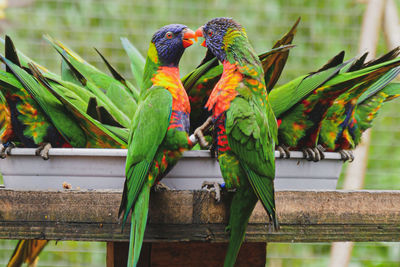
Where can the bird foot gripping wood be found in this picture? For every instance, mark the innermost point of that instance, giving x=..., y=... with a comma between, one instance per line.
x=6, y=149
x=199, y=133
x=346, y=155
x=314, y=153
x=284, y=152
x=213, y=187
x=43, y=151
x=160, y=187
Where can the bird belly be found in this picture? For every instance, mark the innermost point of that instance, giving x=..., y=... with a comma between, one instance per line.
x=228, y=162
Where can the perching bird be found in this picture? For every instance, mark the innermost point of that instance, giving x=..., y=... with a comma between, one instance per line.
x=200, y=82
x=29, y=123
x=342, y=129
x=245, y=127
x=32, y=126
x=335, y=135
x=300, y=125
x=159, y=131
x=5, y=119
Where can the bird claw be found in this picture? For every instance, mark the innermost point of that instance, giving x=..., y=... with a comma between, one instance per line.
x=199, y=132
x=321, y=150
x=346, y=155
x=6, y=149
x=43, y=151
x=284, y=152
x=313, y=153
x=213, y=187
x=160, y=187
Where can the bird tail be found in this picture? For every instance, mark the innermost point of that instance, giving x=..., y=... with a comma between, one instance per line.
x=26, y=251
x=138, y=225
x=243, y=203
x=264, y=188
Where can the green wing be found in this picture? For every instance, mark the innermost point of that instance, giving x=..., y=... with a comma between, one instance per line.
x=54, y=109
x=367, y=110
x=247, y=128
x=288, y=95
x=273, y=63
x=148, y=130
x=97, y=135
x=116, y=91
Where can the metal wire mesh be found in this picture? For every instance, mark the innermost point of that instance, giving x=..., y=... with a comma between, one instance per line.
x=327, y=27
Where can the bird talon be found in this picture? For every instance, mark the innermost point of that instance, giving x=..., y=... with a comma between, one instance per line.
x=284, y=152
x=6, y=149
x=308, y=154
x=321, y=151
x=351, y=155
x=199, y=133
x=346, y=155
x=213, y=187
x=43, y=151
x=317, y=154
x=160, y=187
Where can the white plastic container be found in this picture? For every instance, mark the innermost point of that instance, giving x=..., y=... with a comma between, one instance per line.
x=104, y=169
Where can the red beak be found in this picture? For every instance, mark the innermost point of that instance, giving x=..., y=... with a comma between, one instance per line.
x=188, y=34
x=199, y=33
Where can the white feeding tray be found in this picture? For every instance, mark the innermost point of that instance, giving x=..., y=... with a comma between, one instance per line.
x=105, y=169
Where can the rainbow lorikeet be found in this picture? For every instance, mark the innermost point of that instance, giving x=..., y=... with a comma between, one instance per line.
x=342, y=129
x=119, y=96
x=245, y=126
x=300, y=125
x=367, y=110
x=335, y=135
x=31, y=124
x=159, y=131
x=5, y=119
x=73, y=85
x=200, y=82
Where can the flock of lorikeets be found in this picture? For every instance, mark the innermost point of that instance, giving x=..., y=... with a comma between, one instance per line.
x=230, y=98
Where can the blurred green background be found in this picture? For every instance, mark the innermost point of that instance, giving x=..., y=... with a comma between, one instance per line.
x=327, y=27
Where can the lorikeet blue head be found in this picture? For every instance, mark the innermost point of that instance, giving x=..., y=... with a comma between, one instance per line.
x=218, y=33
x=171, y=41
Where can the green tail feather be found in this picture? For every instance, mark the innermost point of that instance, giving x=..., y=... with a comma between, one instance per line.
x=264, y=189
x=243, y=203
x=138, y=226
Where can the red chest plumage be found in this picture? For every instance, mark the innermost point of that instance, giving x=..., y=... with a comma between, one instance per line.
x=221, y=137
x=225, y=90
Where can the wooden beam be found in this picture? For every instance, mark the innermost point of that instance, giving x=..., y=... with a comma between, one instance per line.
x=187, y=254
x=180, y=216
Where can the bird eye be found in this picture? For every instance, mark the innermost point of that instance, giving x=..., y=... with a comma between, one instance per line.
x=169, y=35
x=210, y=32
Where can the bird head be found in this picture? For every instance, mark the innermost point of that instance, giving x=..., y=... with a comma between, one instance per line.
x=219, y=34
x=171, y=41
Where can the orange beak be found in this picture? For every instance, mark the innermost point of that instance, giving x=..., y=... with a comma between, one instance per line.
x=199, y=33
x=188, y=34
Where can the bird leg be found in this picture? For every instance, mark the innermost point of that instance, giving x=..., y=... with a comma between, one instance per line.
x=43, y=150
x=213, y=187
x=346, y=155
x=199, y=132
x=6, y=149
x=284, y=152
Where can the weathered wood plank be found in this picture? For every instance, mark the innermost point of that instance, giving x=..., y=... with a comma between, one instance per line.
x=305, y=216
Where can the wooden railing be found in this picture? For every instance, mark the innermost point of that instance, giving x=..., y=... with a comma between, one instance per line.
x=195, y=217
